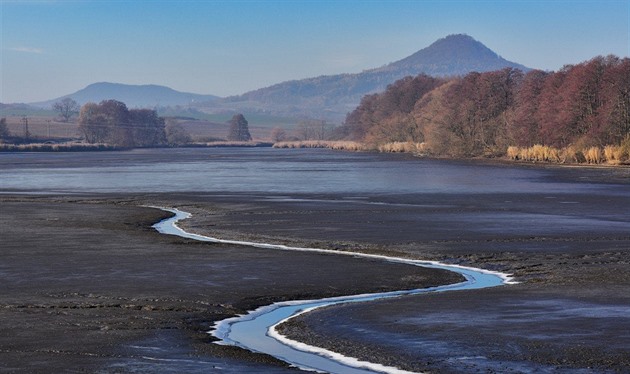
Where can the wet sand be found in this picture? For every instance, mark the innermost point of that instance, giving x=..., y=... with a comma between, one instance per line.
x=91, y=287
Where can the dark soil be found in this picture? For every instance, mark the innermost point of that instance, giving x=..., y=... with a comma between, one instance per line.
x=571, y=253
x=88, y=286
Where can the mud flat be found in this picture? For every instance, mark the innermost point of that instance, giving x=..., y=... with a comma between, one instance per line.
x=571, y=311
x=89, y=286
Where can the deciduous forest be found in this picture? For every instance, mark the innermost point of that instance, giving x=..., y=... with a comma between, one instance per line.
x=567, y=114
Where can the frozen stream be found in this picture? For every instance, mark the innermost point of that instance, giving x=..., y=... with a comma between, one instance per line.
x=256, y=331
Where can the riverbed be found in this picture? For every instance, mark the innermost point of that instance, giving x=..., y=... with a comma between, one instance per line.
x=257, y=330
x=143, y=302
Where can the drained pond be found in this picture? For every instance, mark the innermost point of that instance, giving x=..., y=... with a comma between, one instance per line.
x=563, y=231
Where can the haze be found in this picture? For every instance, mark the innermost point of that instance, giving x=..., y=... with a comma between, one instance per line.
x=51, y=48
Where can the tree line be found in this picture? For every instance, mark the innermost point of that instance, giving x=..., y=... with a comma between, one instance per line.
x=587, y=104
x=111, y=122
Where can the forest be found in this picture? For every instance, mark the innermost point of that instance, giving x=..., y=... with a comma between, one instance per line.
x=552, y=116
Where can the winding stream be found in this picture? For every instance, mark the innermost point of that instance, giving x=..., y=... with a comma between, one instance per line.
x=256, y=331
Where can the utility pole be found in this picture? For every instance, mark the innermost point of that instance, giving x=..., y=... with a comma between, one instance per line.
x=48, y=127
x=27, y=134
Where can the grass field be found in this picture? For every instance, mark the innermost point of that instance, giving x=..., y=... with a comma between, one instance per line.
x=42, y=127
x=50, y=128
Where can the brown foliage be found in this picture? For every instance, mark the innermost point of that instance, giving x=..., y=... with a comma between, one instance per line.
x=392, y=106
x=482, y=113
x=524, y=128
x=476, y=108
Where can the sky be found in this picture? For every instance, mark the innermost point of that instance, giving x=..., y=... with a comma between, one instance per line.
x=53, y=48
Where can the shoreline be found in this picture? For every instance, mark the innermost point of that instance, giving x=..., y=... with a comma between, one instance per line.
x=499, y=160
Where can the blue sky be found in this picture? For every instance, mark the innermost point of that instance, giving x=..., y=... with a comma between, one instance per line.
x=52, y=48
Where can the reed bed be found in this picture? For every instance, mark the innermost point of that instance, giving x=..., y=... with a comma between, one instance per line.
x=228, y=143
x=610, y=154
x=616, y=154
x=60, y=147
x=341, y=145
x=403, y=147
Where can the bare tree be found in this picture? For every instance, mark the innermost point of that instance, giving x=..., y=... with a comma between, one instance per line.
x=176, y=135
x=313, y=130
x=278, y=134
x=66, y=108
x=321, y=130
x=304, y=131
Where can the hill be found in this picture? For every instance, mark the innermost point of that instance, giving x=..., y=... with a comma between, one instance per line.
x=331, y=97
x=328, y=97
x=566, y=116
x=454, y=55
x=140, y=96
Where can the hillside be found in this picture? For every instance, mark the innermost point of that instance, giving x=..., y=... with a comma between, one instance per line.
x=328, y=97
x=580, y=110
x=140, y=96
x=453, y=55
x=333, y=96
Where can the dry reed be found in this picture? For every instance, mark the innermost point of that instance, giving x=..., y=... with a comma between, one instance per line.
x=60, y=147
x=573, y=155
x=594, y=155
x=228, y=143
x=615, y=154
x=329, y=144
x=403, y=147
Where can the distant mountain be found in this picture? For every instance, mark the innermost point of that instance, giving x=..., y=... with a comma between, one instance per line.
x=326, y=97
x=135, y=96
x=18, y=110
x=454, y=55
x=331, y=97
